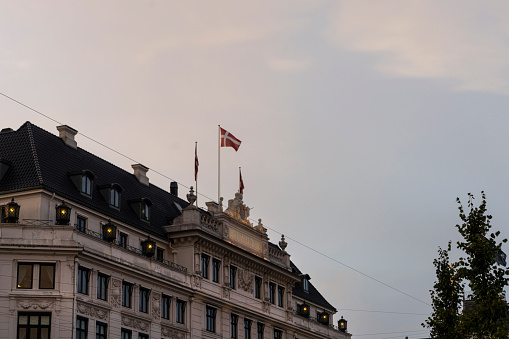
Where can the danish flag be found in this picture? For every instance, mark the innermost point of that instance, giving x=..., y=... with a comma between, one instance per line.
x=196, y=163
x=228, y=140
x=241, y=182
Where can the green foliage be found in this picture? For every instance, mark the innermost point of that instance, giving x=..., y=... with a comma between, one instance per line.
x=488, y=315
x=446, y=299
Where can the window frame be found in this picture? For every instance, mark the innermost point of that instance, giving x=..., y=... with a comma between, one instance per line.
x=86, y=272
x=272, y=293
x=280, y=296
x=41, y=265
x=126, y=333
x=144, y=299
x=159, y=253
x=143, y=336
x=233, y=274
x=247, y=328
x=216, y=270
x=86, y=184
x=144, y=211
x=104, y=326
x=123, y=239
x=127, y=299
x=165, y=306
x=260, y=330
x=278, y=334
x=29, y=326
x=204, y=264
x=234, y=328
x=102, y=286
x=114, y=197
x=81, y=333
x=258, y=287
x=18, y=285
x=305, y=284
x=81, y=223
x=210, y=318
x=180, y=311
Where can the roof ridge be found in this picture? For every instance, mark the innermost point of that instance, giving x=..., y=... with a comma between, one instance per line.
x=34, y=152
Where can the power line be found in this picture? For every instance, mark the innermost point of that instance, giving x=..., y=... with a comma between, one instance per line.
x=167, y=177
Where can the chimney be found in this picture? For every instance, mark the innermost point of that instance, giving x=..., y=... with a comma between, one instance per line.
x=140, y=172
x=174, y=188
x=67, y=135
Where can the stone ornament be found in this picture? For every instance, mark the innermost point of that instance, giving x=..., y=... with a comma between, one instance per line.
x=238, y=210
x=156, y=305
x=246, y=280
x=115, y=292
x=34, y=304
x=172, y=334
x=283, y=243
x=92, y=311
x=135, y=323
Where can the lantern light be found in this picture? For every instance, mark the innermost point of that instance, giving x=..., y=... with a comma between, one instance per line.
x=323, y=318
x=148, y=247
x=342, y=324
x=63, y=214
x=304, y=310
x=109, y=231
x=11, y=212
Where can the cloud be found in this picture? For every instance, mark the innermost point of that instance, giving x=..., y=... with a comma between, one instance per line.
x=464, y=42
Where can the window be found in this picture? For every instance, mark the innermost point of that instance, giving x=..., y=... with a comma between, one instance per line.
x=126, y=334
x=278, y=334
x=181, y=309
x=114, y=197
x=165, y=307
x=47, y=276
x=122, y=240
x=159, y=254
x=280, y=296
x=86, y=184
x=305, y=285
x=272, y=293
x=34, y=325
x=81, y=223
x=233, y=273
x=142, y=336
x=127, y=290
x=258, y=288
x=205, y=266
x=143, y=305
x=83, y=275
x=233, y=325
x=25, y=273
x=247, y=329
x=102, y=286
x=81, y=328
x=100, y=330
x=260, y=330
x=145, y=211
x=211, y=319
x=216, y=266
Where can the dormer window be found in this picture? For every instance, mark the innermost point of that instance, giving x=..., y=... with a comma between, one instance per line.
x=142, y=208
x=111, y=193
x=305, y=284
x=83, y=181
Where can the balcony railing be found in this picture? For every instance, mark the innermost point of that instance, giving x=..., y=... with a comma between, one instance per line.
x=173, y=266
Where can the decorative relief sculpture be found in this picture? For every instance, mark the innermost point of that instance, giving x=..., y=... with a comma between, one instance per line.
x=92, y=311
x=238, y=210
x=116, y=285
x=260, y=227
x=135, y=323
x=172, y=334
x=197, y=254
x=197, y=280
x=34, y=304
x=246, y=280
x=266, y=307
x=226, y=292
x=156, y=305
x=226, y=231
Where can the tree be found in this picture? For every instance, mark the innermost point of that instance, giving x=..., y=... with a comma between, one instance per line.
x=488, y=316
x=446, y=299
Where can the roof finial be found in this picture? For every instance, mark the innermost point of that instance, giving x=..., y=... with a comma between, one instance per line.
x=191, y=197
x=283, y=243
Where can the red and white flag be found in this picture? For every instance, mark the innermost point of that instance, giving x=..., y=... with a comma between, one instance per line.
x=196, y=163
x=241, y=182
x=228, y=140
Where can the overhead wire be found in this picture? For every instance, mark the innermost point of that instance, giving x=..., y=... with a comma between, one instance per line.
x=167, y=177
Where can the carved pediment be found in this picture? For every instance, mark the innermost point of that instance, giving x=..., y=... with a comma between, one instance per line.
x=238, y=210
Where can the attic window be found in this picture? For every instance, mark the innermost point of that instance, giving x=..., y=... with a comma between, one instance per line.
x=142, y=208
x=111, y=193
x=83, y=181
x=305, y=284
x=114, y=197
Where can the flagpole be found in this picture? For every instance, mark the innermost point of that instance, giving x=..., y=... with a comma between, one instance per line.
x=196, y=175
x=219, y=163
x=239, y=179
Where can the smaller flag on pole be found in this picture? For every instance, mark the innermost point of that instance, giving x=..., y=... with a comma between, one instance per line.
x=228, y=140
x=196, y=163
x=241, y=182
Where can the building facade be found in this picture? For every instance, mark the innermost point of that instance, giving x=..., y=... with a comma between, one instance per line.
x=88, y=249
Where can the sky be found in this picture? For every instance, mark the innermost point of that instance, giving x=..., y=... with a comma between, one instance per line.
x=361, y=121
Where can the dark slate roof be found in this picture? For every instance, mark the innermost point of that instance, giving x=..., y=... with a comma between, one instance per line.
x=42, y=160
x=312, y=295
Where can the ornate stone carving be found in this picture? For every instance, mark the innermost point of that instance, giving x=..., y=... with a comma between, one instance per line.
x=197, y=281
x=135, y=323
x=197, y=254
x=266, y=307
x=283, y=243
x=246, y=280
x=92, y=311
x=226, y=292
x=171, y=333
x=116, y=286
x=156, y=305
x=226, y=231
x=238, y=210
x=35, y=304
x=260, y=227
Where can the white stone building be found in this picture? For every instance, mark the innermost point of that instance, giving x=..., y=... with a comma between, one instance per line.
x=88, y=249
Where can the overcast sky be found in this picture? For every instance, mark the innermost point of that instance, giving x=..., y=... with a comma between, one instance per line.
x=361, y=121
